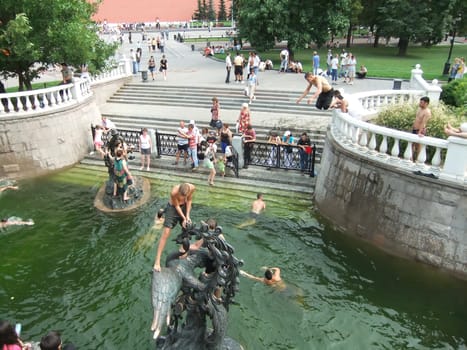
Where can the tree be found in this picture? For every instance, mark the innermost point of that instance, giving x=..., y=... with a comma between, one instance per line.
x=299, y=22
x=417, y=21
x=222, y=14
x=200, y=13
x=354, y=11
x=38, y=33
x=211, y=13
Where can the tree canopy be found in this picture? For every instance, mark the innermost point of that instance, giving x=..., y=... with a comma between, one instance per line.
x=299, y=22
x=263, y=22
x=34, y=34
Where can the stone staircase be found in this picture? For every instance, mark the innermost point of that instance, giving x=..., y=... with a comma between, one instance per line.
x=199, y=98
x=271, y=101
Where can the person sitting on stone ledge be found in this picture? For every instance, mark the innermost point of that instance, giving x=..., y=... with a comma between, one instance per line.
x=458, y=132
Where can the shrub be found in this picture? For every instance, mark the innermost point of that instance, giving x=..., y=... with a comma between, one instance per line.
x=401, y=117
x=455, y=93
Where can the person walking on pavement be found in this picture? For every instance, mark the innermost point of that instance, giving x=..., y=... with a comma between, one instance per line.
x=228, y=67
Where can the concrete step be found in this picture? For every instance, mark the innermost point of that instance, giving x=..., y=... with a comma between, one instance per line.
x=282, y=102
x=250, y=179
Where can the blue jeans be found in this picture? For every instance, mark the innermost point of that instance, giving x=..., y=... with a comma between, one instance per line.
x=304, y=160
x=135, y=67
x=334, y=74
x=193, y=153
x=283, y=66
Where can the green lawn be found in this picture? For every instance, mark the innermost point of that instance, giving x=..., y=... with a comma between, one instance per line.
x=36, y=86
x=383, y=61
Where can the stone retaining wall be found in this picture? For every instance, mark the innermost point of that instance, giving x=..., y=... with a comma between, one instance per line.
x=405, y=214
x=36, y=144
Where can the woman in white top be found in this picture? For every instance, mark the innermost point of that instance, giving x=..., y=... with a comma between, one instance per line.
x=145, y=146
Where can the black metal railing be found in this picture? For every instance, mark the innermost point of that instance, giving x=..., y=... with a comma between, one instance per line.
x=262, y=154
x=288, y=157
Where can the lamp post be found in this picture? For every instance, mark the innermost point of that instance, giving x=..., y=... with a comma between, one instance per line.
x=447, y=65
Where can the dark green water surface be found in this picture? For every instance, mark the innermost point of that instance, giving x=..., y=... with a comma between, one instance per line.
x=87, y=274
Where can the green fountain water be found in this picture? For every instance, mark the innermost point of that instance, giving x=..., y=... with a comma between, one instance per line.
x=87, y=274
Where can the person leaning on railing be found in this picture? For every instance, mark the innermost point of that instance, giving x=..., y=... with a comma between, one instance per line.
x=459, y=132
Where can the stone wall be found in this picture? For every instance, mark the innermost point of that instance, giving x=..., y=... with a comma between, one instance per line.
x=33, y=145
x=103, y=90
x=405, y=214
x=36, y=144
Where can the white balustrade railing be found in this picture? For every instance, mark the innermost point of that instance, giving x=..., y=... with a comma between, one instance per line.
x=396, y=148
x=122, y=70
x=53, y=98
x=372, y=102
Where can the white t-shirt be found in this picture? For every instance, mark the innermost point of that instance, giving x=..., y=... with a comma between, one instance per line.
x=334, y=63
x=285, y=54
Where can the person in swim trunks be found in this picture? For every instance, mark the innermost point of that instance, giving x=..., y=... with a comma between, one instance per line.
x=177, y=211
x=324, y=91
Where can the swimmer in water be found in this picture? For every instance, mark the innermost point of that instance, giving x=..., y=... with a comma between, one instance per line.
x=15, y=221
x=257, y=207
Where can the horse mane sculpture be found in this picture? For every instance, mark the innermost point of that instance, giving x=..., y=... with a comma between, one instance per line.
x=184, y=301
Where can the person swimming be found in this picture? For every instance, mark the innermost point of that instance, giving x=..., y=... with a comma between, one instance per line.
x=272, y=277
x=257, y=207
x=12, y=221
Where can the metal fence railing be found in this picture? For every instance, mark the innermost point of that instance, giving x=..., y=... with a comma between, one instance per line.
x=166, y=144
x=290, y=157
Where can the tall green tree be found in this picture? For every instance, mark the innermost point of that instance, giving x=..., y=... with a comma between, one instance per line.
x=200, y=13
x=37, y=33
x=414, y=21
x=222, y=14
x=299, y=22
x=211, y=11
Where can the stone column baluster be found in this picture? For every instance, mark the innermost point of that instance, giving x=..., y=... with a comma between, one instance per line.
x=408, y=151
x=363, y=138
x=372, y=144
x=421, y=158
x=395, y=148
x=383, y=147
x=436, y=160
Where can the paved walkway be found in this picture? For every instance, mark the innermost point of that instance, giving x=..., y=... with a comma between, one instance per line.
x=189, y=68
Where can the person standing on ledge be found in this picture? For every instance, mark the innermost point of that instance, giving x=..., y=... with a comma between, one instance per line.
x=324, y=91
x=420, y=122
x=177, y=211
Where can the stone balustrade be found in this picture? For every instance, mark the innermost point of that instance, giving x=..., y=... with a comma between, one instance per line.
x=372, y=102
x=27, y=103
x=395, y=148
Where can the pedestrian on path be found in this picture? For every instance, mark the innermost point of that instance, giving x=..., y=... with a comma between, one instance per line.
x=228, y=67
x=163, y=67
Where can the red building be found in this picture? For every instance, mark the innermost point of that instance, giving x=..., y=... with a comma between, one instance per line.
x=132, y=11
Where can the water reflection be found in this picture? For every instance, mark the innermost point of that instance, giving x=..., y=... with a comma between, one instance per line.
x=88, y=274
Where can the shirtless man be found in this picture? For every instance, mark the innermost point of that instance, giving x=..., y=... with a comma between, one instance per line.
x=323, y=92
x=421, y=119
x=258, y=205
x=177, y=211
x=272, y=277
